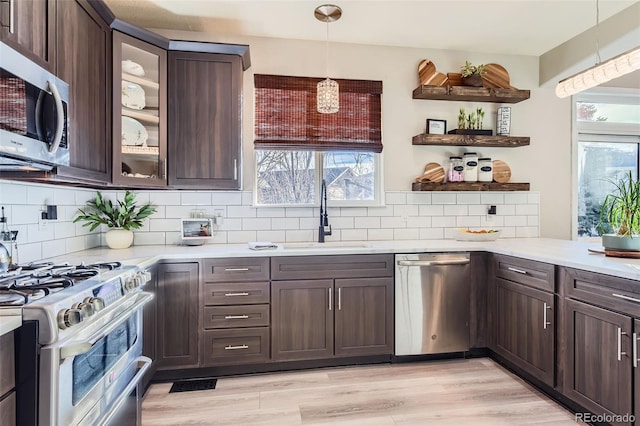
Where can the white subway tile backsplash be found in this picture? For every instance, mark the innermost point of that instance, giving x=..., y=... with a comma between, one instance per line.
x=380, y=234
x=367, y=222
x=419, y=198
x=443, y=198
x=396, y=198
x=468, y=198
x=285, y=223
x=406, y=215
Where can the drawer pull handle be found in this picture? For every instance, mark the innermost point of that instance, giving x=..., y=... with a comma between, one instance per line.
x=519, y=271
x=232, y=348
x=635, y=350
x=236, y=269
x=330, y=298
x=620, y=353
x=244, y=293
x=236, y=317
x=545, y=323
x=622, y=296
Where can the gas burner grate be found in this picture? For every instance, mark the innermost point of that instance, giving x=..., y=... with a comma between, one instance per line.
x=193, y=385
x=105, y=265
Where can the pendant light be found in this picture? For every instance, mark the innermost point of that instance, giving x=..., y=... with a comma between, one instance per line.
x=601, y=72
x=328, y=93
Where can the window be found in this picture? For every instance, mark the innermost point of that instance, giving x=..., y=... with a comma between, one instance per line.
x=297, y=147
x=608, y=147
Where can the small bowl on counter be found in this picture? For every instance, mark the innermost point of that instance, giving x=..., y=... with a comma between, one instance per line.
x=479, y=235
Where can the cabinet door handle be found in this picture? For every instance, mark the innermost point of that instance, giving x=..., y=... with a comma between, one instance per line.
x=236, y=269
x=339, y=298
x=545, y=323
x=236, y=294
x=635, y=350
x=330, y=298
x=519, y=271
x=11, y=14
x=235, y=169
x=630, y=299
x=620, y=353
x=236, y=317
x=231, y=348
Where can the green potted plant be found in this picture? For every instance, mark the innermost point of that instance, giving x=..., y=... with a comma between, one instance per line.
x=620, y=215
x=120, y=218
x=472, y=74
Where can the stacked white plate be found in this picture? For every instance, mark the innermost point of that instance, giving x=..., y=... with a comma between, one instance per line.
x=133, y=132
x=132, y=95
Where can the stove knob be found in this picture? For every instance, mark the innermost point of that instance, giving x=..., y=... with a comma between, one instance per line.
x=130, y=283
x=146, y=275
x=69, y=317
x=86, y=309
x=96, y=302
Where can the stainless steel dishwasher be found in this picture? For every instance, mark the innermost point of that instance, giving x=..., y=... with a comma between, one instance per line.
x=432, y=303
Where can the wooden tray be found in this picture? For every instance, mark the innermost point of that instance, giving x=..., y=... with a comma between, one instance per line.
x=617, y=253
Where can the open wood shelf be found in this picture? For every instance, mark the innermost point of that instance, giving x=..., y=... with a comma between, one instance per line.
x=469, y=186
x=467, y=93
x=471, y=140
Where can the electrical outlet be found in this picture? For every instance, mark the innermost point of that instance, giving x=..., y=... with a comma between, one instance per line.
x=218, y=217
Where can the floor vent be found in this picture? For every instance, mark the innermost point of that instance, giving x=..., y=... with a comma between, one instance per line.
x=193, y=385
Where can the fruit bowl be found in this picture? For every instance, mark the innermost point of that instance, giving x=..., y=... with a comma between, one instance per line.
x=479, y=235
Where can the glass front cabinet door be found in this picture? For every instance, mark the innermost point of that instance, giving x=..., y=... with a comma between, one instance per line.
x=139, y=119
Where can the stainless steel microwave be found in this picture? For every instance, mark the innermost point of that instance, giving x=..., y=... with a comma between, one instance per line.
x=33, y=115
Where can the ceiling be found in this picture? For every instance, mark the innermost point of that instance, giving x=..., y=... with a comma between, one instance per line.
x=502, y=27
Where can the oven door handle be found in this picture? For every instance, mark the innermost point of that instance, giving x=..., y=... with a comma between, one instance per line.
x=83, y=346
x=144, y=364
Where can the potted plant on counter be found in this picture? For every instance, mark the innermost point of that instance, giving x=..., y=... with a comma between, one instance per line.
x=120, y=218
x=620, y=214
x=472, y=74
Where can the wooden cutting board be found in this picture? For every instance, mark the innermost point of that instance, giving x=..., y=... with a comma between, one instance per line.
x=496, y=76
x=454, y=79
x=616, y=253
x=501, y=171
x=428, y=75
x=433, y=172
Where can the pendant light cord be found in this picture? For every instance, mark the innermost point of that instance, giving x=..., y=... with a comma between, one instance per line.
x=598, y=59
x=326, y=50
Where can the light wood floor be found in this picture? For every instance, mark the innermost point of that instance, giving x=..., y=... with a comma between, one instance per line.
x=452, y=392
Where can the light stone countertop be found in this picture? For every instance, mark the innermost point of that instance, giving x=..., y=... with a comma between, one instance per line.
x=573, y=254
x=10, y=319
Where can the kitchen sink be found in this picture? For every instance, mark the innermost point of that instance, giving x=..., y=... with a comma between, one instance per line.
x=327, y=245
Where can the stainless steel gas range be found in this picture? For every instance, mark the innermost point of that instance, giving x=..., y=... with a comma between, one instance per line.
x=79, y=350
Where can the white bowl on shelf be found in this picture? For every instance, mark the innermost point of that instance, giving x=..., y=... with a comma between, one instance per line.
x=491, y=235
x=133, y=68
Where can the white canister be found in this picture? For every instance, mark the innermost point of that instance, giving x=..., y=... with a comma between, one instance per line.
x=470, y=167
x=485, y=170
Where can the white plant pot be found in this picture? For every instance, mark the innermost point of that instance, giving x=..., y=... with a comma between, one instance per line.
x=119, y=238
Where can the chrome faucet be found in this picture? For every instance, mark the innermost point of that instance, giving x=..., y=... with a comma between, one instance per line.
x=324, y=217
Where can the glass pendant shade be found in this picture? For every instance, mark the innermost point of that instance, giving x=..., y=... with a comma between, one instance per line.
x=601, y=73
x=328, y=97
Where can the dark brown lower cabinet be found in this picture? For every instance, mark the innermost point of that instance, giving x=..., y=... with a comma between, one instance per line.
x=364, y=316
x=598, y=364
x=8, y=410
x=525, y=328
x=235, y=346
x=7, y=380
x=177, y=315
x=302, y=319
x=636, y=369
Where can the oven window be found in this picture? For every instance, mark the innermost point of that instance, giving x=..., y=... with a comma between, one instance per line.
x=91, y=367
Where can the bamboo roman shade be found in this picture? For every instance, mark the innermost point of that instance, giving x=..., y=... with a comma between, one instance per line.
x=286, y=117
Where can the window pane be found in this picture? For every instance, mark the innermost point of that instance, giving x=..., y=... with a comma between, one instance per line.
x=598, y=163
x=610, y=113
x=285, y=177
x=349, y=175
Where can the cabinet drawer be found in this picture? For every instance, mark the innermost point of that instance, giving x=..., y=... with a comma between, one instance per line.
x=8, y=410
x=619, y=294
x=528, y=272
x=236, y=316
x=236, y=294
x=235, y=346
x=318, y=267
x=7, y=363
x=236, y=269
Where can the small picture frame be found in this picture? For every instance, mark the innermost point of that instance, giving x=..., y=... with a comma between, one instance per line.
x=436, y=127
x=197, y=229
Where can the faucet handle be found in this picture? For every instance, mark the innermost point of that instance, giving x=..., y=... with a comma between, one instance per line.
x=328, y=232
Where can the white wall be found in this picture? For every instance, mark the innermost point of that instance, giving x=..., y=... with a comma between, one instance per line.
x=546, y=164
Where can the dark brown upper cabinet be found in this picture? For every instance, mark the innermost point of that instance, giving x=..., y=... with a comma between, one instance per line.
x=30, y=28
x=139, y=112
x=204, y=127
x=83, y=58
